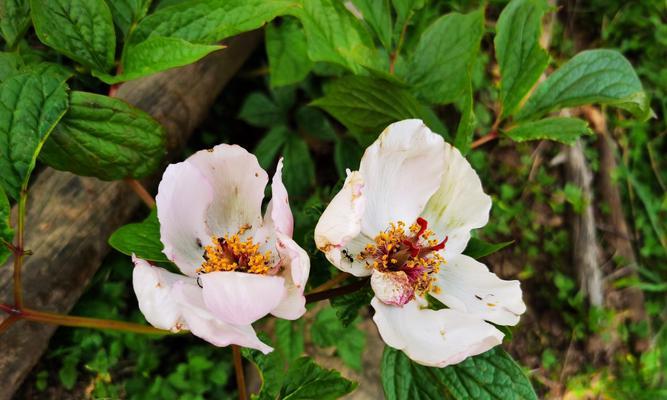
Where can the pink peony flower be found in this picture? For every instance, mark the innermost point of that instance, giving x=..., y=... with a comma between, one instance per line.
x=404, y=219
x=236, y=265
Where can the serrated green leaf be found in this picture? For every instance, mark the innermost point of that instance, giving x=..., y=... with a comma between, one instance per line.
x=30, y=107
x=289, y=339
x=14, y=20
x=6, y=231
x=478, y=248
x=347, y=154
x=268, y=148
x=106, y=138
x=287, y=51
x=314, y=123
x=210, y=21
x=259, y=110
x=58, y=71
x=441, y=64
x=466, y=127
x=126, y=13
x=347, y=306
x=560, y=129
x=80, y=29
x=520, y=57
x=334, y=35
x=299, y=168
x=491, y=375
x=592, y=76
x=377, y=14
x=141, y=238
x=157, y=54
x=306, y=380
x=271, y=369
x=327, y=330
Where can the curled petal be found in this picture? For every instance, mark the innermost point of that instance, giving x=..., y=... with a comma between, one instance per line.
x=434, y=338
x=468, y=286
x=241, y=298
x=296, y=265
x=278, y=213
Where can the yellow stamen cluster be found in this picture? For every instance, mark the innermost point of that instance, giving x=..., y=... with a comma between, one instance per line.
x=231, y=253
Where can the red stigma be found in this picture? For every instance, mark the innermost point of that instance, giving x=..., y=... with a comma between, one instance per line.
x=440, y=245
x=414, y=247
x=423, y=224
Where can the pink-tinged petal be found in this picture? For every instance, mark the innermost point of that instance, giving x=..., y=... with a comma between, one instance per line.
x=278, y=213
x=459, y=205
x=401, y=171
x=204, y=324
x=337, y=233
x=183, y=197
x=468, y=286
x=238, y=183
x=296, y=264
x=153, y=288
x=393, y=288
x=434, y=338
x=241, y=298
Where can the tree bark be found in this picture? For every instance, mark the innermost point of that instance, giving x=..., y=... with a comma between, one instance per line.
x=69, y=218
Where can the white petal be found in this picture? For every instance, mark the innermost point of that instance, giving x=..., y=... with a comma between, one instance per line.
x=401, y=171
x=203, y=324
x=392, y=287
x=241, y=298
x=278, y=213
x=468, y=286
x=459, y=205
x=434, y=338
x=153, y=288
x=182, y=200
x=238, y=183
x=296, y=264
x=337, y=231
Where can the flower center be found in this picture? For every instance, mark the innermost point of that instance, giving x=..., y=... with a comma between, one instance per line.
x=231, y=253
x=414, y=253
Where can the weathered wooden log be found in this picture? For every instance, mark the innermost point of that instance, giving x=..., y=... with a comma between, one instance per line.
x=69, y=218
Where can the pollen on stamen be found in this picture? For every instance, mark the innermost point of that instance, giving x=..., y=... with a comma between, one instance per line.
x=231, y=253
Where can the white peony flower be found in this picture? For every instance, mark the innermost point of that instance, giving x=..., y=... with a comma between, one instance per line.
x=404, y=219
x=237, y=266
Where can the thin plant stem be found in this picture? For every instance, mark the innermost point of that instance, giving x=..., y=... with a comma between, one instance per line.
x=141, y=191
x=491, y=135
x=238, y=369
x=394, y=54
x=339, y=291
x=331, y=283
x=5, y=324
x=19, y=250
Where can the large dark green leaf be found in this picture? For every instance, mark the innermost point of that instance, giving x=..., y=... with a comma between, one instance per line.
x=259, y=110
x=560, y=129
x=80, y=29
x=30, y=107
x=488, y=376
x=299, y=168
x=14, y=20
x=126, y=13
x=289, y=339
x=520, y=57
x=269, y=146
x=593, y=76
x=439, y=70
x=377, y=14
x=328, y=330
x=287, y=50
x=6, y=231
x=306, y=380
x=141, y=239
x=105, y=137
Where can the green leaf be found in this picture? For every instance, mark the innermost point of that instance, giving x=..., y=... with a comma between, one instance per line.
x=126, y=13
x=347, y=154
x=367, y=105
x=260, y=110
x=142, y=239
x=287, y=50
x=106, y=138
x=157, y=54
x=334, y=35
x=299, y=168
x=313, y=122
x=327, y=330
x=478, y=248
x=592, y=76
x=289, y=339
x=58, y=71
x=14, y=20
x=6, y=231
x=10, y=63
x=268, y=148
x=520, y=57
x=560, y=129
x=377, y=14
x=210, y=21
x=440, y=67
x=30, y=106
x=80, y=29
x=466, y=128
x=347, y=306
x=491, y=375
x=306, y=380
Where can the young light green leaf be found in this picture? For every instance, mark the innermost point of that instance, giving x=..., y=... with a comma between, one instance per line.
x=268, y=148
x=336, y=36
x=314, y=123
x=404, y=8
x=306, y=380
x=6, y=231
x=106, y=138
x=347, y=306
x=592, y=76
x=488, y=376
x=259, y=110
x=287, y=51
x=14, y=20
x=210, y=21
x=466, y=128
x=30, y=106
x=478, y=248
x=141, y=239
x=289, y=339
x=560, y=129
x=440, y=66
x=157, y=54
x=520, y=57
x=347, y=154
x=126, y=13
x=299, y=168
x=80, y=29
x=328, y=331
x=377, y=14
